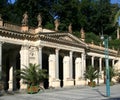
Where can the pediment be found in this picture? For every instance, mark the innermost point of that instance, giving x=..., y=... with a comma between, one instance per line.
x=65, y=38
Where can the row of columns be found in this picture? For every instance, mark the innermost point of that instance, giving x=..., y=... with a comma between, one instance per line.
x=67, y=69
x=100, y=62
x=80, y=65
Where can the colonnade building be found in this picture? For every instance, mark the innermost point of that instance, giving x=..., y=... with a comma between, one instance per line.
x=63, y=55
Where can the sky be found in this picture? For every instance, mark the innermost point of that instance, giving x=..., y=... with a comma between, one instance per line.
x=115, y=1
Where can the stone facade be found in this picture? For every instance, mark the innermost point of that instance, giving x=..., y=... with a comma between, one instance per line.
x=65, y=56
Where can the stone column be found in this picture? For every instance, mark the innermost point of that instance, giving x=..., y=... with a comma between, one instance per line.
x=57, y=63
x=67, y=81
x=11, y=79
x=113, y=62
x=83, y=68
x=71, y=65
x=84, y=62
x=52, y=66
x=24, y=59
x=92, y=60
x=40, y=57
x=52, y=71
x=100, y=65
x=0, y=60
x=78, y=71
x=66, y=69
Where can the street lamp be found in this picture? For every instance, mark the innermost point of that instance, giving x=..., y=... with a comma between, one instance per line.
x=105, y=41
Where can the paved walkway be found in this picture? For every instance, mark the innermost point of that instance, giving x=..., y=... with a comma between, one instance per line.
x=76, y=93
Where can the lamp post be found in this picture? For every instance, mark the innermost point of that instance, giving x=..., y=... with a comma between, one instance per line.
x=105, y=41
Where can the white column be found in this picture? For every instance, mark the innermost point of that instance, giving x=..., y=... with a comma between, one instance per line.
x=92, y=60
x=52, y=66
x=78, y=70
x=53, y=80
x=83, y=64
x=57, y=63
x=71, y=64
x=40, y=57
x=100, y=65
x=84, y=58
x=11, y=79
x=113, y=62
x=66, y=68
x=24, y=59
x=0, y=59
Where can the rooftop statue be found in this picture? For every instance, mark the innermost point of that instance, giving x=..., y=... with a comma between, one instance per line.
x=57, y=23
x=70, y=28
x=39, y=18
x=82, y=33
x=25, y=19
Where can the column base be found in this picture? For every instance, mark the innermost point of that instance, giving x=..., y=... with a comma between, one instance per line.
x=68, y=82
x=10, y=86
x=54, y=83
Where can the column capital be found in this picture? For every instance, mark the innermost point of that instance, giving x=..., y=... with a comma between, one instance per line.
x=39, y=47
x=25, y=47
x=71, y=52
x=100, y=58
x=57, y=49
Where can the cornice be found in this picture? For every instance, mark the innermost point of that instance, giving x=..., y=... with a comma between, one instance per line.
x=101, y=50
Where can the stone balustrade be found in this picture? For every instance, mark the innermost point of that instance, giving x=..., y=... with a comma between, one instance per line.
x=101, y=48
x=11, y=27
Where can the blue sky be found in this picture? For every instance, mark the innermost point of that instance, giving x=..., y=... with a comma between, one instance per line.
x=115, y=1
x=12, y=1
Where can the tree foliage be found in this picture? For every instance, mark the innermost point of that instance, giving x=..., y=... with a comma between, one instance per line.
x=32, y=74
x=95, y=16
x=91, y=73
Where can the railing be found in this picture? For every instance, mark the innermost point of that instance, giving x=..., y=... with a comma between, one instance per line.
x=17, y=28
x=101, y=48
x=12, y=27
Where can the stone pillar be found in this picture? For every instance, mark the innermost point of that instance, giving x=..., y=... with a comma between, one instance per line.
x=83, y=64
x=24, y=59
x=53, y=71
x=100, y=65
x=78, y=71
x=92, y=61
x=40, y=57
x=57, y=63
x=113, y=62
x=11, y=79
x=84, y=59
x=101, y=73
x=53, y=80
x=71, y=65
x=0, y=60
x=67, y=81
x=52, y=66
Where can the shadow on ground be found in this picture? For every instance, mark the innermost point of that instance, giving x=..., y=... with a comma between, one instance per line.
x=115, y=98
